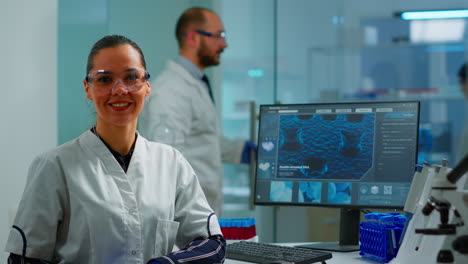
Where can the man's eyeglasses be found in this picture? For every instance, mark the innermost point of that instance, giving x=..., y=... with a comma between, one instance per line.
x=219, y=35
x=105, y=81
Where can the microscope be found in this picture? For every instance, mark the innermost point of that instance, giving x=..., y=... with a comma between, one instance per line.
x=438, y=232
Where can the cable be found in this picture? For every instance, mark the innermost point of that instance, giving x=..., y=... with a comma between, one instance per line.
x=25, y=244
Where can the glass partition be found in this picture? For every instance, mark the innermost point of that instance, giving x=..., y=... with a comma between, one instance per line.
x=248, y=71
x=363, y=50
x=334, y=51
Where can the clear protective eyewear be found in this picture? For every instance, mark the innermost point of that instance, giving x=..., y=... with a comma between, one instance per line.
x=218, y=36
x=106, y=81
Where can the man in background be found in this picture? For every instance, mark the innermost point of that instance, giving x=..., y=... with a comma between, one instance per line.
x=181, y=110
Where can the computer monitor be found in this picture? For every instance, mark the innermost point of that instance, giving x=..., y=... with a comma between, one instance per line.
x=352, y=155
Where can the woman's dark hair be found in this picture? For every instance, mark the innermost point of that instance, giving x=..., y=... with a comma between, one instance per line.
x=108, y=42
x=462, y=73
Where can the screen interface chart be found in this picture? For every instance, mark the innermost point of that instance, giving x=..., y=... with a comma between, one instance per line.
x=346, y=154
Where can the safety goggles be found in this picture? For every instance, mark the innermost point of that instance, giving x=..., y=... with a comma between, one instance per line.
x=105, y=81
x=218, y=35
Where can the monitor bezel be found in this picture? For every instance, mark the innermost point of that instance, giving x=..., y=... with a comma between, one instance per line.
x=327, y=205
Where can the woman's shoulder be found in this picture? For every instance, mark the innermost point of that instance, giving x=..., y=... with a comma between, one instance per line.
x=49, y=163
x=63, y=150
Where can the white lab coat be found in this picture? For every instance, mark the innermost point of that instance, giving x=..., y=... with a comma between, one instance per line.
x=190, y=112
x=79, y=206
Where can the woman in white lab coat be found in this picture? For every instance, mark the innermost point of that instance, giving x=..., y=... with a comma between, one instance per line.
x=111, y=196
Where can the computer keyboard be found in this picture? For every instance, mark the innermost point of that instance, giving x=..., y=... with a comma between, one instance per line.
x=270, y=253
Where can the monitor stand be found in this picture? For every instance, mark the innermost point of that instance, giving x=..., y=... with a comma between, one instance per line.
x=349, y=234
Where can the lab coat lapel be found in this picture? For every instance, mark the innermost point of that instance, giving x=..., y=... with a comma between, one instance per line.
x=137, y=162
x=103, y=153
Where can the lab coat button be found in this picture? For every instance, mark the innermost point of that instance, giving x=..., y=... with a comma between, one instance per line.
x=134, y=252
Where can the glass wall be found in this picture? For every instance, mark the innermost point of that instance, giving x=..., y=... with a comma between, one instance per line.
x=333, y=51
x=362, y=50
x=248, y=75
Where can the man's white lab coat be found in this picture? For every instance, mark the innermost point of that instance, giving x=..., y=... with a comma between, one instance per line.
x=185, y=103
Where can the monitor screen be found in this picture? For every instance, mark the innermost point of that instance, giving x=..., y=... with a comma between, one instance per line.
x=351, y=155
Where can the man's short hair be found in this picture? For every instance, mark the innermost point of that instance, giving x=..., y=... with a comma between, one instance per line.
x=191, y=18
x=463, y=72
